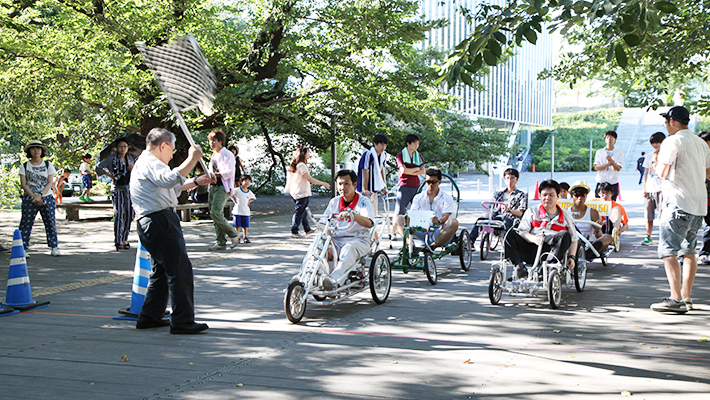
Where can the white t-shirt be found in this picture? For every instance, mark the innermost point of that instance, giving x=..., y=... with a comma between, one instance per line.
x=363, y=207
x=609, y=174
x=37, y=175
x=300, y=187
x=653, y=182
x=688, y=156
x=443, y=203
x=242, y=197
x=85, y=167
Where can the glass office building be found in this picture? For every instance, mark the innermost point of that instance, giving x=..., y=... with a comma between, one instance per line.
x=513, y=93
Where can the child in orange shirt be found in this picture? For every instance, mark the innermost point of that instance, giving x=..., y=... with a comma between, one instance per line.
x=617, y=221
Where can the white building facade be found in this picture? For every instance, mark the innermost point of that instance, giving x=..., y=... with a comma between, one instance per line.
x=513, y=94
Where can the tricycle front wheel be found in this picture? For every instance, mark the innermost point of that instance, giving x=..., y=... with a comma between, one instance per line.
x=295, y=302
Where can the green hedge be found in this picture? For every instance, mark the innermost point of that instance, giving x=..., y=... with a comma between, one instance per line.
x=572, y=134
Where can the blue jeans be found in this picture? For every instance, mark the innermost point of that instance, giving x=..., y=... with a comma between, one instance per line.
x=299, y=215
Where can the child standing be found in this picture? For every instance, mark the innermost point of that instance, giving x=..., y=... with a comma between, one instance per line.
x=86, y=174
x=61, y=182
x=242, y=197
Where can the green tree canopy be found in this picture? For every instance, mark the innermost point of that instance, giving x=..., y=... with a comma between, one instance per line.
x=646, y=47
x=324, y=71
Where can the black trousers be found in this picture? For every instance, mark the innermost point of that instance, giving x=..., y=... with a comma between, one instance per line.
x=171, y=275
x=518, y=249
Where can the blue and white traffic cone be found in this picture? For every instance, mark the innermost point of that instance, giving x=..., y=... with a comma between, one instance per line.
x=19, y=291
x=141, y=275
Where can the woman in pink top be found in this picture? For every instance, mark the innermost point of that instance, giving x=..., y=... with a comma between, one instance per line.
x=300, y=190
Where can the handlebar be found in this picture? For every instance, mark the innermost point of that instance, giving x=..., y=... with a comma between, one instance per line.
x=495, y=206
x=592, y=223
x=330, y=217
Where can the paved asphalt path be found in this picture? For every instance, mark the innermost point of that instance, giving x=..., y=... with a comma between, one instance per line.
x=430, y=342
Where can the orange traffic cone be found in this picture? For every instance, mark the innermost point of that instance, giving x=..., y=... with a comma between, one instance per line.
x=537, y=188
x=19, y=291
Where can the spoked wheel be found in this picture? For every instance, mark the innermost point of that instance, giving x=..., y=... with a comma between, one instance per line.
x=380, y=277
x=465, y=250
x=495, y=239
x=430, y=268
x=580, y=270
x=485, y=242
x=495, y=286
x=554, y=289
x=295, y=302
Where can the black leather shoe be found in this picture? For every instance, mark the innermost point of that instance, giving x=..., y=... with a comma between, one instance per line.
x=144, y=322
x=187, y=329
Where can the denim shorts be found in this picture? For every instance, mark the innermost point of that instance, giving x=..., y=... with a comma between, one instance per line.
x=678, y=232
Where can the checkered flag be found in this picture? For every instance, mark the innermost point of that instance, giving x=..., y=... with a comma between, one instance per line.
x=183, y=73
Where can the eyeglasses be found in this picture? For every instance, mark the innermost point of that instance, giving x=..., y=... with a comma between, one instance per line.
x=123, y=147
x=431, y=182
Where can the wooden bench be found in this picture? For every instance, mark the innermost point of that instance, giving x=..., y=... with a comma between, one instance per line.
x=184, y=210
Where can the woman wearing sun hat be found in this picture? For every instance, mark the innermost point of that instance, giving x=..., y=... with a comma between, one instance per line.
x=36, y=180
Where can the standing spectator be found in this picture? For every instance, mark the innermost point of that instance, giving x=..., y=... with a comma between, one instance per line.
x=684, y=165
x=607, y=163
x=516, y=202
x=239, y=171
x=86, y=176
x=241, y=213
x=118, y=167
x=564, y=190
x=154, y=189
x=371, y=174
x=639, y=165
x=411, y=165
x=652, y=196
x=59, y=187
x=299, y=186
x=36, y=180
x=223, y=166
x=705, y=248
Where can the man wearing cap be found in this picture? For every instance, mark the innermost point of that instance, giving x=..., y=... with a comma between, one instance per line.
x=683, y=163
x=607, y=163
x=154, y=189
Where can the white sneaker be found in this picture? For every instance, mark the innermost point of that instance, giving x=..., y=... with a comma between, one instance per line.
x=235, y=242
x=55, y=252
x=217, y=247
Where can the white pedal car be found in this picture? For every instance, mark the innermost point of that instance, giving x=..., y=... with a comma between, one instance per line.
x=371, y=272
x=543, y=276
